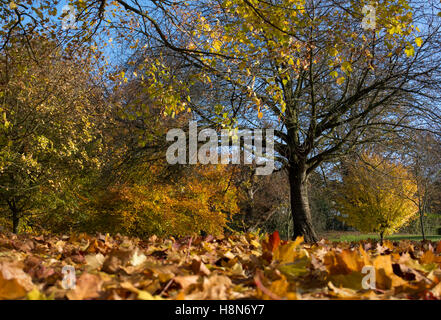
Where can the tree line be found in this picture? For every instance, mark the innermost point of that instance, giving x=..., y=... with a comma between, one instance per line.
x=85, y=111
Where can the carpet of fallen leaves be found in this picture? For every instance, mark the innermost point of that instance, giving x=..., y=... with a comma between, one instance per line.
x=245, y=266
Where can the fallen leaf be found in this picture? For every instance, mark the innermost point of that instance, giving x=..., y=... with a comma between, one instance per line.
x=94, y=261
x=88, y=286
x=14, y=282
x=138, y=259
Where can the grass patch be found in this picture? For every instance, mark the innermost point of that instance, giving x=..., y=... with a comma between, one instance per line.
x=341, y=237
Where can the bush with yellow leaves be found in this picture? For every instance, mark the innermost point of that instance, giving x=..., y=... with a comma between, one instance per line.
x=376, y=195
x=201, y=200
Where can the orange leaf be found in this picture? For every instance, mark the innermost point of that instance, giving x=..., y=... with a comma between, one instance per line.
x=274, y=240
x=14, y=282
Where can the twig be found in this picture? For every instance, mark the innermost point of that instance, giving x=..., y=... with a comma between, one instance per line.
x=166, y=287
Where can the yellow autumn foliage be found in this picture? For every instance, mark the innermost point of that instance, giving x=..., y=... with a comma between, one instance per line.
x=203, y=200
x=376, y=195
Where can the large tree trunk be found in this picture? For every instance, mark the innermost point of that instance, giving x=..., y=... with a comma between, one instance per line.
x=301, y=213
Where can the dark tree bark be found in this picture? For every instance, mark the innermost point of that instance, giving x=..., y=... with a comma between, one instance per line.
x=300, y=210
x=14, y=215
x=15, y=222
x=421, y=209
x=422, y=224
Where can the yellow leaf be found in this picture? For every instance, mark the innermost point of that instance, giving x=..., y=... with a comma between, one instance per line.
x=352, y=280
x=35, y=294
x=385, y=277
x=410, y=51
x=333, y=52
x=144, y=295
x=352, y=260
x=340, y=80
x=419, y=41
x=286, y=252
x=295, y=269
x=217, y=45
x=346, y=67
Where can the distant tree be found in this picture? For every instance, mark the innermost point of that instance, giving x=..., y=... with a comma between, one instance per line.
x=198, y=200
x=48, y=133
x=264, y=199
x=376, y=195
x=423, y=152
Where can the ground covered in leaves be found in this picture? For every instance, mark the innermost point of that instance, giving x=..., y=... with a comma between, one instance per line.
x=234, y=267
